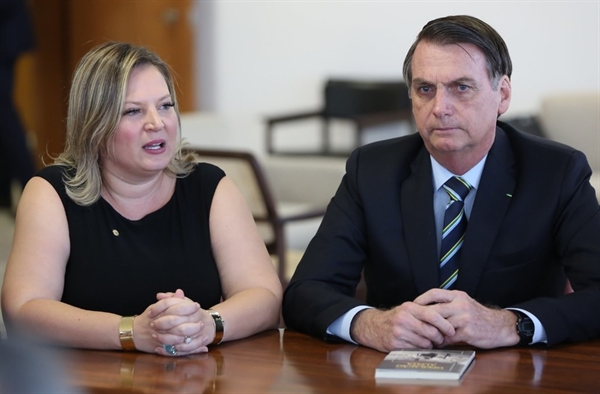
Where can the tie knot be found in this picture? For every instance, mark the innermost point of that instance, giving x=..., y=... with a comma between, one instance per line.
x=457, y=188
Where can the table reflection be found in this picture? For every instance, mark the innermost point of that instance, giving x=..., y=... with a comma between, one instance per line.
x=229, y=368
x=490, y=371
x=277, y=361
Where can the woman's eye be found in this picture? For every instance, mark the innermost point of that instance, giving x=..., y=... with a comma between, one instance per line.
x=168, y=105
x=131, y=111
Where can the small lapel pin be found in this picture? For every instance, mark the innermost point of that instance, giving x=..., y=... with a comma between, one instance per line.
x=508, y=195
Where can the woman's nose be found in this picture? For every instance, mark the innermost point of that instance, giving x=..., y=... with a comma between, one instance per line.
x=153, y=120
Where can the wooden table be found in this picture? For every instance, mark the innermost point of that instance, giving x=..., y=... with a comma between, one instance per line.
x=289, y=362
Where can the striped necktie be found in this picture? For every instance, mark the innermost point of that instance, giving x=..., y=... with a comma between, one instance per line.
x=453, y=232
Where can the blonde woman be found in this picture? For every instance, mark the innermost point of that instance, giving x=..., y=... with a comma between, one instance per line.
x=126, y=242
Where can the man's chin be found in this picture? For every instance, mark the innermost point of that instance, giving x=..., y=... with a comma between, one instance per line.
x=446, y=144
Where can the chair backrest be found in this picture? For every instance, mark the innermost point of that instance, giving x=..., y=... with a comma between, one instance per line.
x=348, y=98
x=246, y=172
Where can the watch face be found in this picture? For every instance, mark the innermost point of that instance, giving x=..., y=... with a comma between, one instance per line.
x=526, y=327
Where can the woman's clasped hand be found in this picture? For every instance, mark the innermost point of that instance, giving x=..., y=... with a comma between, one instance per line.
x=174, y=326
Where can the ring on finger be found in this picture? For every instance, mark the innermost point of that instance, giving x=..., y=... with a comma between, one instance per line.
x=170, y=349
x=187, y=339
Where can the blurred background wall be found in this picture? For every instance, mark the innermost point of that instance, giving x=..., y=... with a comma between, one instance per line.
x=258, y=58
x=243, y=60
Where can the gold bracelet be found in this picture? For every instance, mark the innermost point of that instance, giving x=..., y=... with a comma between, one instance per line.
x=126, y=333
x=219, y=327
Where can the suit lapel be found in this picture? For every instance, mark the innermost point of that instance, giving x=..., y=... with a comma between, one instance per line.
x=493, y=198
x=416, y=199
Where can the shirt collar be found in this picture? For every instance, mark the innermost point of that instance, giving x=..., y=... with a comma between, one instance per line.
x=441, y=174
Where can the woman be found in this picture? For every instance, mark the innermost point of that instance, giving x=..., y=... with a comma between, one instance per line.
x=108, y=238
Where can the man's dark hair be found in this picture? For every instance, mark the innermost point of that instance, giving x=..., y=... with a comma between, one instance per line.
x=461, y=29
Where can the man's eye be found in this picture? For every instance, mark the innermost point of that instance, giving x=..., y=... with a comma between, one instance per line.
x=425, y=89
x=463, y=88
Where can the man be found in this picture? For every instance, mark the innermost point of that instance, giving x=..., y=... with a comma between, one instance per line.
x=532, y=219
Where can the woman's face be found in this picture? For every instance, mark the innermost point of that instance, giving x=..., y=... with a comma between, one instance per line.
x=146, y=137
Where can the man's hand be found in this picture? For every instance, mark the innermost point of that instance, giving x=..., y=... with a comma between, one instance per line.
x=409, y=325
x=474, y=323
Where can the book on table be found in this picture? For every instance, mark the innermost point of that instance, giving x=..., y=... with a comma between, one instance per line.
x=432, y=364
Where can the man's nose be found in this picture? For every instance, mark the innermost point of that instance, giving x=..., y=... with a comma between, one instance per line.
x=442, y=104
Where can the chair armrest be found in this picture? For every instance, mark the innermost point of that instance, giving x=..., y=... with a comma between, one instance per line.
x=299, y=222
x=304, y=211
x=363, y=121
x=272, y=120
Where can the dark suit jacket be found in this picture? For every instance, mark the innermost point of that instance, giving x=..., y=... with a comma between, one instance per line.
x=535, y=219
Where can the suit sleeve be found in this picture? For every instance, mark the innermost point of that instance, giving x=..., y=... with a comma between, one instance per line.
x=324, y=284
x=574, y=317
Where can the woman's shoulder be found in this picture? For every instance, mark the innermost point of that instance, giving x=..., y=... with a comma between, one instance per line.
x=203, y=179
x=55, y=174
x=206, y=171
x=201, y=183
x=45, y=186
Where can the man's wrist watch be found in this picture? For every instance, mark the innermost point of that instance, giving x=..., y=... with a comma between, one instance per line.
x=525, y=328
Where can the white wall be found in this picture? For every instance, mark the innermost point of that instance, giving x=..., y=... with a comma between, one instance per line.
x=257, y=58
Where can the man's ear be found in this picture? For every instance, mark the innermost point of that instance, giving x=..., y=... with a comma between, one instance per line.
x=505, y=88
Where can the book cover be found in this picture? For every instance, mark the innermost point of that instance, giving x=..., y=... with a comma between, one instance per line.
x=434, y=364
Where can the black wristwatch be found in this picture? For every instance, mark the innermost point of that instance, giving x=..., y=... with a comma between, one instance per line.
x=525, y=328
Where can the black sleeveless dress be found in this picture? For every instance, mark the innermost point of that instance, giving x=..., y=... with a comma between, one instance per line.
x=118, y=265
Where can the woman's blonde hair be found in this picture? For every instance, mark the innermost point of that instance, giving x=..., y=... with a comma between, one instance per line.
x=95, y=107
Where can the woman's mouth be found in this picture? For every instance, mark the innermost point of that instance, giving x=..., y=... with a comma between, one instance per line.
x=154, y=146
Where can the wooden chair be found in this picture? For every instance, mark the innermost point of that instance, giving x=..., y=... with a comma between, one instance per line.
x=364, y=103
x=271, y=216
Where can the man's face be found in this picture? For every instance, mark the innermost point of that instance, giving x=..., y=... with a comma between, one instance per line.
x=454, y=104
